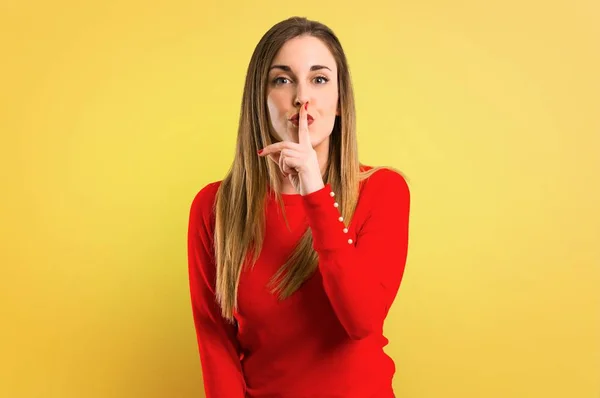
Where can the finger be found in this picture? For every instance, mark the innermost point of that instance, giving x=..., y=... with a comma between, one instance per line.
x=292, y=163
x=282, y=165
x=277, y=147
x=291, y=153
x=288, y=167
x=303, y=133
x=287, y=170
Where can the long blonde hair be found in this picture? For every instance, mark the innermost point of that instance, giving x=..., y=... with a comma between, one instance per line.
x=240, y=201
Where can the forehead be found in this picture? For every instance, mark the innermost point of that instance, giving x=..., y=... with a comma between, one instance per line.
x=301, y=52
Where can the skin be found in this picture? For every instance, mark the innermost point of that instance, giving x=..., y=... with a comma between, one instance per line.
x=302, y=79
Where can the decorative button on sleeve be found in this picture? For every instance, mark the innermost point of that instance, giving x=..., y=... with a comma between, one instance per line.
x=325, y=219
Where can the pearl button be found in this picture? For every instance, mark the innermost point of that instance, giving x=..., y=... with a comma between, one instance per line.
x=332, y=194
x=345, y=230
x=341, y=219
x=349, y=241
x=335, y=204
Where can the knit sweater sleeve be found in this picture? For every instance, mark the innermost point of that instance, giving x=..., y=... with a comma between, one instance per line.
x=362, y=265
x=216, y=338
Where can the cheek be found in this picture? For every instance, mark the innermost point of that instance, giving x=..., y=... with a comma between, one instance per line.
x=276, y=101
x=277, y=112
x=272, y=107
x=332, y=107
x=335, y=99
x=331, y=99
x=277, y=117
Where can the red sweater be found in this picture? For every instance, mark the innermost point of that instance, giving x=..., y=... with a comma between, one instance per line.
x=326, y=340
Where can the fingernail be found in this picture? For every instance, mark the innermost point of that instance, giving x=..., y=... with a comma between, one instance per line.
x=260, y=151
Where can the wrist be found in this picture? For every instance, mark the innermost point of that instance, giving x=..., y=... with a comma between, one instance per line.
x=311, y=182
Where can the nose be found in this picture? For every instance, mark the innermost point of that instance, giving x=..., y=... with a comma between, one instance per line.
x=302, y=95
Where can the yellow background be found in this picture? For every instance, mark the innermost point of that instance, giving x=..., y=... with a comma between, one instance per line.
x=115, y=113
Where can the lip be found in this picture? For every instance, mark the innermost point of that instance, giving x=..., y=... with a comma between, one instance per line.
x=295, y=119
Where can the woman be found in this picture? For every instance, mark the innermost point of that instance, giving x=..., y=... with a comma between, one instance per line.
x=296, y=256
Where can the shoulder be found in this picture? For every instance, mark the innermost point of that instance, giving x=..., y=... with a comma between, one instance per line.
x=384, y=180
x=383, y=189
x=203, y=203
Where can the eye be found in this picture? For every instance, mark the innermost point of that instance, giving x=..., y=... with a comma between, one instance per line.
x=322, y=78
x=280, y=80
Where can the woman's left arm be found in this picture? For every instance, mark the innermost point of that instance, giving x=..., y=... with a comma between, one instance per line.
x=362, y=271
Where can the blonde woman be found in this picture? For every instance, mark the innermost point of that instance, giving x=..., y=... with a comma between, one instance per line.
x=296, y=256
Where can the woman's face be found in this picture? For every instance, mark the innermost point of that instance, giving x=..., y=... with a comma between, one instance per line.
x=303, y=70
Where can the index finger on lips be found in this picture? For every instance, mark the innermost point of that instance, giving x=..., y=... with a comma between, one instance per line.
x=303, y=133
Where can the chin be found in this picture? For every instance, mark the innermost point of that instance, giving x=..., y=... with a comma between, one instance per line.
x=315, y=142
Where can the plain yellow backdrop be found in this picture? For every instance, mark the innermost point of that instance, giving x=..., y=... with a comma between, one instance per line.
x=115, y=113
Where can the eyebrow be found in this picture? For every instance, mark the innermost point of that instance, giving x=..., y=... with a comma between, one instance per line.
x=286, y=68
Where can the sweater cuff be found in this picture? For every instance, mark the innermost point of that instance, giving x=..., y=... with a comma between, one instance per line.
x=328, y=227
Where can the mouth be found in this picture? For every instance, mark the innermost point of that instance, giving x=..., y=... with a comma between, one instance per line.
x=295, y=120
